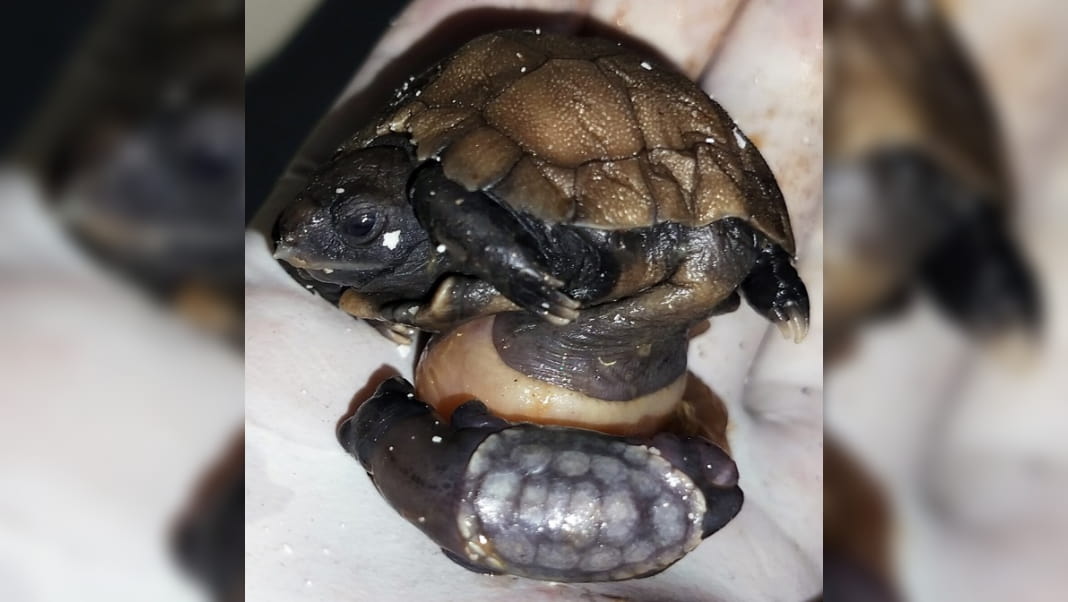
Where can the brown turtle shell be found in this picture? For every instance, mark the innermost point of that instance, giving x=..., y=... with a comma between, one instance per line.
x=581, y=131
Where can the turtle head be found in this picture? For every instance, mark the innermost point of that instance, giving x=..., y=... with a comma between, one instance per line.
x=353, y=226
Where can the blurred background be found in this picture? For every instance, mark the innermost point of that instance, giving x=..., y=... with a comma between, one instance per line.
x=946, y=176
x=122, y=213
x=121, y=296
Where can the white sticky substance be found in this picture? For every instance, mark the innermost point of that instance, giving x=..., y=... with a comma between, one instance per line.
x=391, y=239
x=739, y=139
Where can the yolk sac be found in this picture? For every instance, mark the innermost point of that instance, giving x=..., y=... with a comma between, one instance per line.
x=464, y=364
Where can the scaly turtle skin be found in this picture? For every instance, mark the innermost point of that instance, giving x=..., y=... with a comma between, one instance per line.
x=560, y=173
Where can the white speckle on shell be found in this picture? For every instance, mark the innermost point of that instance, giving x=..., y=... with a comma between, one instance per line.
x=710, y=140
x=740, y=139
x=436, y=439
x=647, y=66
x=339, y=190
x=328, y=270
x=440, y=248
x=391, y=239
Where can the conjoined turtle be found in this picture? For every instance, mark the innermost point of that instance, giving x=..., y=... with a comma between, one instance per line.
x=572, y=210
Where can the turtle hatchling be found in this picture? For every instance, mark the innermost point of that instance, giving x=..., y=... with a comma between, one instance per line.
x=550, y=173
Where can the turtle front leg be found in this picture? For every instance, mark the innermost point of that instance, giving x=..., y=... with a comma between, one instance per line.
x=489, y=241
x=705, y=283
x=360, y=306
x=776, y=292
x=456, y=299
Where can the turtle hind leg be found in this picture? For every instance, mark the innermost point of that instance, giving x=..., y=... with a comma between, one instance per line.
x=979, y=278
x=491, y=242
x=776, y=292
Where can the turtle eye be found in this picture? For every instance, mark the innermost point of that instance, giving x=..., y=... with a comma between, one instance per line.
x=361, y=227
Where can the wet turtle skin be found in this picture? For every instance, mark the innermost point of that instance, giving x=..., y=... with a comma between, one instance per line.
x=559, y=172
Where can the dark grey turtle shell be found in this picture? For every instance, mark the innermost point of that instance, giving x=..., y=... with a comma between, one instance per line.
x=582, y=131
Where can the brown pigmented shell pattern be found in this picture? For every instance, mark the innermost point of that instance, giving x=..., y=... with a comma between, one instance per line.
x=581, y=131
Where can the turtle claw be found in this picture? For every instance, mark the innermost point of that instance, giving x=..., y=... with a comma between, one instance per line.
x=401, y=334
x=775, y=290
x=792, y=322
x=539, y=293
x=404, y=313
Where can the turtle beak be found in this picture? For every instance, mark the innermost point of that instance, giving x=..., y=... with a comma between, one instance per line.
x=289, y=255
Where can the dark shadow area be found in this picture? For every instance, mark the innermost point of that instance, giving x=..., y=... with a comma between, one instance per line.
x=52, y=30
x=382, y=374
